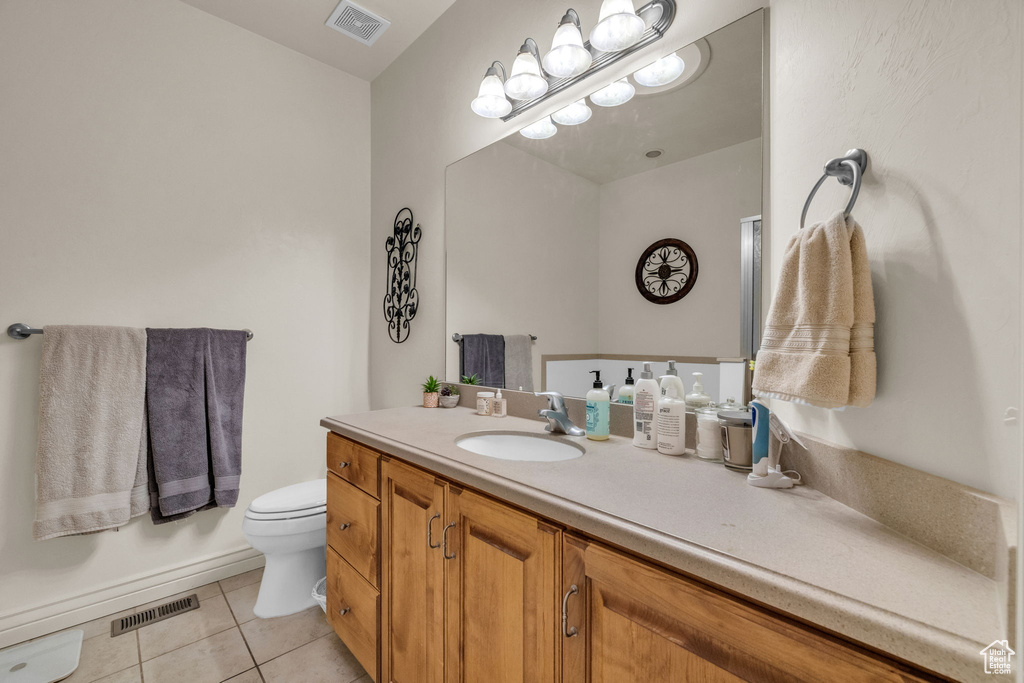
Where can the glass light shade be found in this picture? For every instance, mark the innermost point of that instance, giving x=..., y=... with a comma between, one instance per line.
x=567, y=56
x=575, y=114
x=490, y=101
x=614, y=94
x=618, y=26
x=661, y=72
x=540, y=130
x=526, y=81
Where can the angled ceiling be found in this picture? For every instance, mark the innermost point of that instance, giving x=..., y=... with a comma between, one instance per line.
x=299, y=25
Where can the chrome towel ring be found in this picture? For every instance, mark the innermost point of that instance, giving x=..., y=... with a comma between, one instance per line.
x=848, y=170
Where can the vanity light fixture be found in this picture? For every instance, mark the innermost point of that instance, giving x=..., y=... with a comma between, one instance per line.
x=576, y=113
x=526, y=82
x=618, y=26
x=540, y=130
x=490, y=100
x=567, y=56
x=620, y=31
x=661, y=72
x=614, y=94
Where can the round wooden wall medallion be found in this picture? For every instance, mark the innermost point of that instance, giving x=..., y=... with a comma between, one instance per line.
x=666, y=271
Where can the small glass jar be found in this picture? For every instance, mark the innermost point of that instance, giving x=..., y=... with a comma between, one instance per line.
x=484, y=402
x=709, y=436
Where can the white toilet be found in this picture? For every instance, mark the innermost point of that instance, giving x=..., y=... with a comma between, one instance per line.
x=289, y=526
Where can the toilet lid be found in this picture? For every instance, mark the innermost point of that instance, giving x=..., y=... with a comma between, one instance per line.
x=308, y=494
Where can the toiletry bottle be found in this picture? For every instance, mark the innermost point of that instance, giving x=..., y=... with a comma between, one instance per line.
x=697, y=398
x=762, y=435
x=626, y=392
x=645, y=403
x=499, y=406
x=671, y=371
x=672, y=416
x=598, y=407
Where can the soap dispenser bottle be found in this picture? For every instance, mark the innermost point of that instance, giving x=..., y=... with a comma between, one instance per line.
x=697, y=398
x=645, y=403
x=626, y=392
x=598, y=407
x=672, y=416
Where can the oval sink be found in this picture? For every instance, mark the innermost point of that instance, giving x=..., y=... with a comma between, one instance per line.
x=519, y=446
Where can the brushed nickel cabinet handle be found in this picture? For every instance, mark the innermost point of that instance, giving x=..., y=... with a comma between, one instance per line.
x=344, y=610
x=444, y=540
x=344, y=526
x=568, y=632
x=430, y=538
x=343, y=465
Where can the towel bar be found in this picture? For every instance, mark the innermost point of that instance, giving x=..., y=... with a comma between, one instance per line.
x=456, y=337
x=22, y=331
x=848, y=170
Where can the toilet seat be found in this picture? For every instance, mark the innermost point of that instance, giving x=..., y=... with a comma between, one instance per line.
x=287, y=514
x=307, y=496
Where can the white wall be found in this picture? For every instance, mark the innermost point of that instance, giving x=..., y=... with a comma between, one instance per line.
x=700, y=201
x=522, y=242
x=164, y=168
x=932, y=91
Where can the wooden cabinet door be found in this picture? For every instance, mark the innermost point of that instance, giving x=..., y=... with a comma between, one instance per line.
x=637, y=623
x=412, y=619
x=502, y=595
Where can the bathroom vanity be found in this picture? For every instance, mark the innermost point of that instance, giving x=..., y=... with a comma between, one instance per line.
x=620, y=565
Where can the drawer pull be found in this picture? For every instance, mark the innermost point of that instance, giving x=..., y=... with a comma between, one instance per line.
x=568, y=632
x=342, y=465
x=444, y=540
x=344, y=526
x=344, y=610
x=430, y=538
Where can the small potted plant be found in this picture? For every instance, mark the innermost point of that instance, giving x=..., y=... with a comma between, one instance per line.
x=449, y=396
x=430, y=390
x=473, y=379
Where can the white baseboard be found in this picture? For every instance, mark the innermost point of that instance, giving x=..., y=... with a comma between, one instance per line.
x=42, y=619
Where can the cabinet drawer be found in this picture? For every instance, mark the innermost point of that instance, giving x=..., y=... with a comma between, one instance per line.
x=353, y=523
x=352, y=610
x=354, y=463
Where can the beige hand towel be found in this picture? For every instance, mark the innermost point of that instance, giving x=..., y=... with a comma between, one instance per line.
x=518, y=362
x=91, y=471
x=818, y=345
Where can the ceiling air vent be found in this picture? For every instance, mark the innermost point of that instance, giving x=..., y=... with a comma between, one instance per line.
x=356, y=22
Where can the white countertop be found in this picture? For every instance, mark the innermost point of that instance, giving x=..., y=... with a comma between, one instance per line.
x=795, y=550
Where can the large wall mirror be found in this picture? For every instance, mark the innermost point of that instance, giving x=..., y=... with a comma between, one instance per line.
x=544, y=235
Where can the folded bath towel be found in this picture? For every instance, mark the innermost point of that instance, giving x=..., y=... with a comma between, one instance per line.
x=194, y=395
x=818, y=345
x=484, y=355
x=519, y=362
x=91, y=462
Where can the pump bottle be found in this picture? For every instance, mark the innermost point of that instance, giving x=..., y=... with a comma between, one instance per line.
x=672, y=416
x=645, y=403
x=598, y=407
x=626, y=392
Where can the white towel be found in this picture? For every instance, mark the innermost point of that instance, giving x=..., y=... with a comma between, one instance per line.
x=91, y=469
x=518, y=362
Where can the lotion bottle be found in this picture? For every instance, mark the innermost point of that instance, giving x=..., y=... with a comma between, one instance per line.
x=672, y=416
x=598, y=407
x=626, y=392
x=499, y=405
x=645, y=403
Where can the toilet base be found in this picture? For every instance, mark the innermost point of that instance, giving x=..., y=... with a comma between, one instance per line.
x=288, y=580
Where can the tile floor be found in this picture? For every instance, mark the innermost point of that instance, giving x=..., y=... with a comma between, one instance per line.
x=220, y=641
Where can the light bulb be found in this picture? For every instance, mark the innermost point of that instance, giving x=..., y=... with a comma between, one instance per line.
x=614, y=94
x=526, y=81
x=490, y=101
x=540, y=130
x=567, y=56
x=618, y=26
x=576, y=113
x=661, y=72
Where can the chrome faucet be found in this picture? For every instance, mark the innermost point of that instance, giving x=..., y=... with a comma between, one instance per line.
x=610, y=388
x=558, y=415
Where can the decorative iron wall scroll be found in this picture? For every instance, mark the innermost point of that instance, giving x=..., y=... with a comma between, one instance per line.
x=402, y=300
x=666, y=271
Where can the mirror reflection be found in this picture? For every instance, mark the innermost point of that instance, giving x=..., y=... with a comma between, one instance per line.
x=622, y=229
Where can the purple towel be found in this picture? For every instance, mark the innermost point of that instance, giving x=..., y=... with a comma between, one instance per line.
x=195, y=384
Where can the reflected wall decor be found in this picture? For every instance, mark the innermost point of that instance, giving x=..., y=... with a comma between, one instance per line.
x=402, y=300
x=666, y=271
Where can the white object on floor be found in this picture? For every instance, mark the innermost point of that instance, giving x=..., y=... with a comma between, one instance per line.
x=46, y=660
x=320, y=593
x=289, y=526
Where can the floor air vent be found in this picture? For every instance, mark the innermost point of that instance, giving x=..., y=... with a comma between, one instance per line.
x=356, y=22
x=152, y=615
